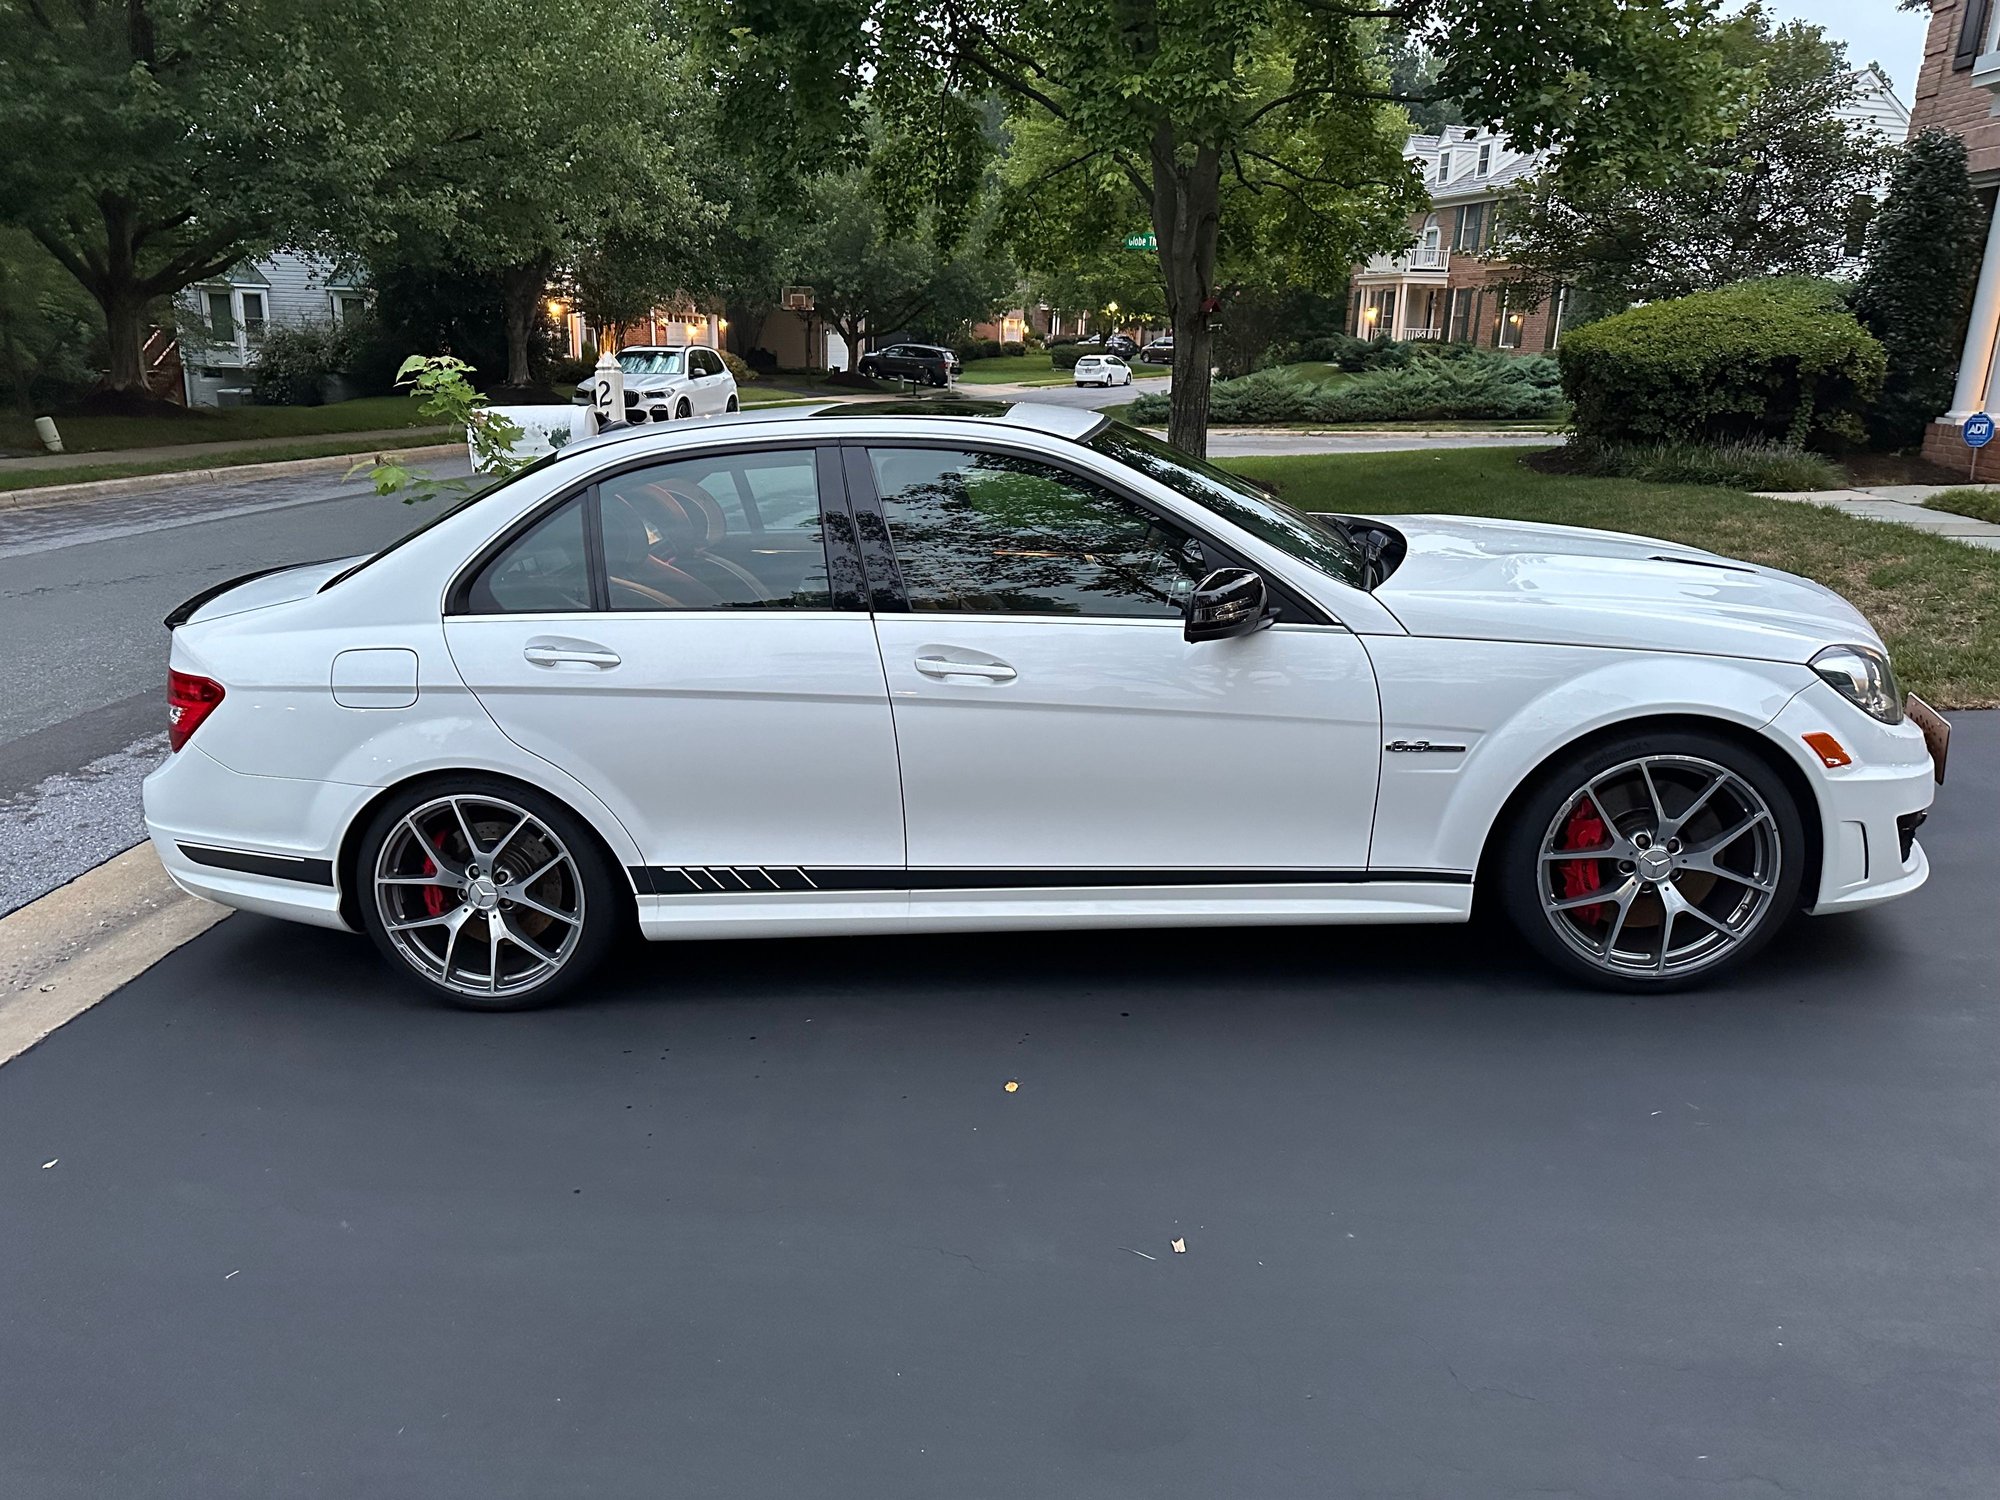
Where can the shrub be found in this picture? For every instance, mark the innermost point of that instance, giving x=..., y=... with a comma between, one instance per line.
x=738, y=366
x=1013, y=350
x=1739, y=466
x=1064, y=356
x=1063, y=340
x=565, y=373
x=762, y=360
x=292, y=363
x=1425, y=389
x=1781, y=360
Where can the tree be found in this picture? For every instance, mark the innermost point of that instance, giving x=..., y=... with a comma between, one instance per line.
x=542, y=136
x=868, y=280
x=1923, y=258
x=153, y=144
x=47, y=324
x=1218, y=121
x=1775, y=196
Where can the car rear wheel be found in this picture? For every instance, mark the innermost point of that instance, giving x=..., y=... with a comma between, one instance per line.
x=1650, y=861
x=489, y=895
x=733, y=405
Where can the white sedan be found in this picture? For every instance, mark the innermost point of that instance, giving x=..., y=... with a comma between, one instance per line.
x=997, y=668
x=1102, y=369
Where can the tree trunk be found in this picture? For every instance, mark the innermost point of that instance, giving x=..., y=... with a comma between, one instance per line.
x=125, y=332
x=746, y=326
x=1187, y=208
x=521, y=290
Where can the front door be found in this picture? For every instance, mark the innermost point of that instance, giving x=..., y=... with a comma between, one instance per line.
x=672, y=638
x=1053, y=725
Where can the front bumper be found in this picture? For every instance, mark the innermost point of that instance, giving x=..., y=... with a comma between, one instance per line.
x=1868, y=809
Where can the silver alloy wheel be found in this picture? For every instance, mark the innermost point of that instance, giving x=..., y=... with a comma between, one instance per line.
x=1659, y=866
x=479, y=895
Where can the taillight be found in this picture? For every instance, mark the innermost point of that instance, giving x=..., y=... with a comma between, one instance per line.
x=190, y=699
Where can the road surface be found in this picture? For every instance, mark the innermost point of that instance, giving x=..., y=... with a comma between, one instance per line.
x=763, y=1219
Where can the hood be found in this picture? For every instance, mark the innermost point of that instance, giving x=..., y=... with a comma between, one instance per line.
x=1567, y=585
x=260, y=590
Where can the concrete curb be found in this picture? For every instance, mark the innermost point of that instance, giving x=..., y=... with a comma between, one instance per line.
x=63, y=952
x=50, y=494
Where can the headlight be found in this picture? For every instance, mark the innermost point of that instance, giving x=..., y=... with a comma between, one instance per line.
x=1862, y=675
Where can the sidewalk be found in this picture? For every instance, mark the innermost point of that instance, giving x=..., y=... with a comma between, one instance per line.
x=1902, y=504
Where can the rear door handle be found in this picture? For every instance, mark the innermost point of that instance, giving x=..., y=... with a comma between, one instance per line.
x=570, y=653
x=941, y=666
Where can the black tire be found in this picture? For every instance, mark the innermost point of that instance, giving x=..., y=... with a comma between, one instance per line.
x=734, y=405
x=1751, y=882
x=683, y=411
x=423, y=891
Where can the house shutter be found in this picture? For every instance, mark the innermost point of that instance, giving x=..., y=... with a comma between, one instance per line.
x=1972, y=35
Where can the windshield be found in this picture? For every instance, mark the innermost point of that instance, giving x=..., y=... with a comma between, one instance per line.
x=1235, y=499
x=651, y=361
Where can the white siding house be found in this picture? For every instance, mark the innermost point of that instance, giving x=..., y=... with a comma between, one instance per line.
x=223, y=322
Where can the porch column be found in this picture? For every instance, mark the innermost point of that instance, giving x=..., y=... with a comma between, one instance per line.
x=1976, y=369
x=1399, y=310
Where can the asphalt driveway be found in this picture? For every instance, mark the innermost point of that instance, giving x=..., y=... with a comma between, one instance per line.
x=764, y=1220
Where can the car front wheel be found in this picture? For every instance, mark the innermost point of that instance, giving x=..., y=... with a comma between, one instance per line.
x=490, y=896
x=1650, y=861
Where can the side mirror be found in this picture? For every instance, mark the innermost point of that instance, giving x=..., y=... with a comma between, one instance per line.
x=1228, y=602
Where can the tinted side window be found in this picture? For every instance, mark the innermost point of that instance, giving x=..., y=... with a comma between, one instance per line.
x=542, y=571
x=990, y=533
x=735, y=531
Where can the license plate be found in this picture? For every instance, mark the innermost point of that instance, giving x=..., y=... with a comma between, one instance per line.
x=1937, y=733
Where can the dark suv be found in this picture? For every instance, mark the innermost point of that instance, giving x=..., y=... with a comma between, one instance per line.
x=925, y=362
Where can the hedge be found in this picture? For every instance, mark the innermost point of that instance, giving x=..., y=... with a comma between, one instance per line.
x=1488, y=387
x=1780, y=360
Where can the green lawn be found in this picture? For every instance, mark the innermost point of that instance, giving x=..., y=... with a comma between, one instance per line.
x=1936, y=602
x=15, y=477
x=1980, y=505
x=1034, y=368
x=210, y=425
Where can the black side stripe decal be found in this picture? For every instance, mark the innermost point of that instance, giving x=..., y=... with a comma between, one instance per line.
x=277, y=866
x=683, y=880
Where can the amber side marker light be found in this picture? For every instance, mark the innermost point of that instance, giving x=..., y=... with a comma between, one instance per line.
x=1830, y=751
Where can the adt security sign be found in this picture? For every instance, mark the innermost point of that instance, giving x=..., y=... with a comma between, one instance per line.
x=1978, y=430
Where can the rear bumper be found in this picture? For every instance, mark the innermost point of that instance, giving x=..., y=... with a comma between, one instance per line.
x=266, y=844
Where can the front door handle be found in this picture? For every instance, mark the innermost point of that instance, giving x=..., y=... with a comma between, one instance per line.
x=570, y=653
x=942, y=666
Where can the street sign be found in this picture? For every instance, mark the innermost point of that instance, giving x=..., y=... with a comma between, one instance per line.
x=1146, y=241
x=1978, y=430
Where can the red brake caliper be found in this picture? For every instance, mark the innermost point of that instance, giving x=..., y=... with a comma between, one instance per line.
x=436, y=897
x=1584, y=830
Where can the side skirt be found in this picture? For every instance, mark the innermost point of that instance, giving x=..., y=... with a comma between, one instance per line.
x=987, y=901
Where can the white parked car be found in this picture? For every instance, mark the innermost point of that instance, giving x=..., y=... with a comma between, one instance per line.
x=1102, y=370
x=995, y=668
x=670, y=383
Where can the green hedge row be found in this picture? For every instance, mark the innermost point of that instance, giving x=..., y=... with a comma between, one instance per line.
x=1494, y=387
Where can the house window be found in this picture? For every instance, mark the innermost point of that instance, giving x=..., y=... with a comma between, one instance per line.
x=1558, y=309
x=253, y=317
x=1444, y=166
x=1378, y=313
x=221, y=317
x=1485, y=159
x=347, y=306
x=1512, y=318
x=1471, y=234
x=1463, y=303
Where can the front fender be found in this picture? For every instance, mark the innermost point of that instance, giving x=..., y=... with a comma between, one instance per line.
x=1512, y=707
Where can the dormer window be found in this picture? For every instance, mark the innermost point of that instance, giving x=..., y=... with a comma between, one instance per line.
x=1485, y=159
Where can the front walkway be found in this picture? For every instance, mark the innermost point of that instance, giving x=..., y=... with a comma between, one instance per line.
x=1904, y=505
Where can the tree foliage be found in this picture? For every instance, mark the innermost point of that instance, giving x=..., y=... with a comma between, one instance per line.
x=153, y=144
x=47, y=326
x=1923, y=258
x=869, y=279
x=1231, y=127
x=1777, y=195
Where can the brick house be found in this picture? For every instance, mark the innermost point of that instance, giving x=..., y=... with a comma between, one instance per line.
x=1958, y=89
x=1447, y=285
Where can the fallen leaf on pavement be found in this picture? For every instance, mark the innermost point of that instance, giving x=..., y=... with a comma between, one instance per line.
x=1180, y=1247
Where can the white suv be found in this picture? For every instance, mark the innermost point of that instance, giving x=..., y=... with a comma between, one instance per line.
x=1102, y=369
